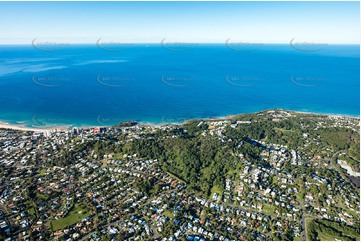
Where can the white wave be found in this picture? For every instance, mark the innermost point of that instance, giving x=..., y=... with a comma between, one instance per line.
x=28, y=60
x=99, y=62
x=13, y=69
x=41, y=68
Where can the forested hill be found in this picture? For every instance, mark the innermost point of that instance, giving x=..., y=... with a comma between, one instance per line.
x=205, y=152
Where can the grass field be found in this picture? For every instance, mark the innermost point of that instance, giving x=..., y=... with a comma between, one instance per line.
x=325, y=230
x=274, y=180
x=327, y=237
x=31, y=211
x=74, y=216
x=118, y=156
x=215, y=189
x=351, y=212
x=268, y=209
x=307, y=221
x=42, y=196
x=284, y=130
x=42, y=171
x=168, y=213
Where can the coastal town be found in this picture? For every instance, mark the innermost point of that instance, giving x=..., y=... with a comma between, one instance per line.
x=119, y=183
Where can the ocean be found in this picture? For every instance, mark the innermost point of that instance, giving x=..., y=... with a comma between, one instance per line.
x=98, y=85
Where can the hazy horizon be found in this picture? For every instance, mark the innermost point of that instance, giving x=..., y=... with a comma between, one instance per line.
x=200, y=22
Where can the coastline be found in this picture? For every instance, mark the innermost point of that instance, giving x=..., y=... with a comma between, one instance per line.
x=46, y=129
x=40, y=130
x=328, y=114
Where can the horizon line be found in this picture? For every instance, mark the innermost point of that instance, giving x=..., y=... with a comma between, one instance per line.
x=184, y=42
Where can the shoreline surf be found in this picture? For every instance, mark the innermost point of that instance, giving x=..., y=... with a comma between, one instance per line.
x=66, y=127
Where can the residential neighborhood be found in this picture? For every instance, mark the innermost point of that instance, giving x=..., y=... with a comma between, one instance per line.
x=66, y=186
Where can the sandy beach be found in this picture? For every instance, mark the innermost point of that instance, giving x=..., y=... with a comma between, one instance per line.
x=328, y=114
x=48, y=129
x=44, y=130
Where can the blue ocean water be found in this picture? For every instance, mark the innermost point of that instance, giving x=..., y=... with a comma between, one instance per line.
x=83, y=85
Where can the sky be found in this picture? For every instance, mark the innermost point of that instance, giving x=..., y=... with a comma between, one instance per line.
x=200, y=22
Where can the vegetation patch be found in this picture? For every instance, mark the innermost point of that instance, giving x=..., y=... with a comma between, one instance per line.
x=269, y=209
x=321, y=229
x=216, y=189
x=168, y=213
x=355, y=165
x=31, y=211
x=297, y=238
x=42, y=171
x=78, y=213
x=42, y=196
